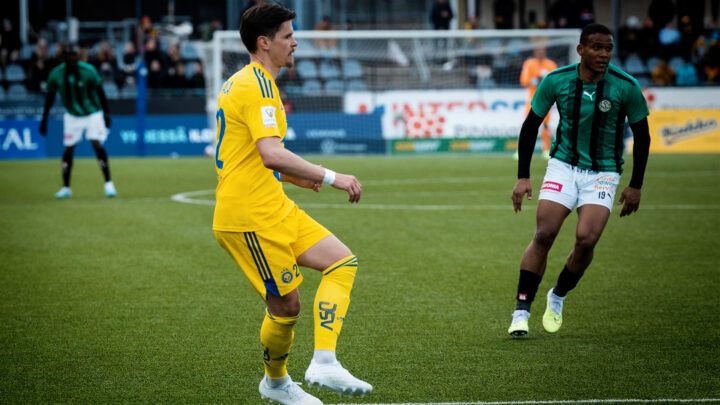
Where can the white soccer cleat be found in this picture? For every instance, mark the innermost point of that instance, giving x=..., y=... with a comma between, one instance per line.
x=64, y=193
x=288, y=394
x=110, y=189
x=336, y=378
x=519, y=325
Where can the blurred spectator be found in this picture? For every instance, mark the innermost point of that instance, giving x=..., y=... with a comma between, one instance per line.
x=209, y=30
x=669, y=38
x=586, y=16
x=197, y=78
x=177, y=77
x=128, y=63
x=172, y=57
x=153, y=53
x=349, y=25
x=629, y=40
x=287, y=104
x=146, y=31
x=105, y=62
x=251, y=3
x=440, y=15
x=649, y=39
x=58, y=56
x=503, y=12
x=699, y=49
x=564, y=13
x=325, y=25
x=532, y=20
x=39, y=66
x=661, y=12
x=663, y=74
x=711, y=65
x=472, y=23
x=686, y=73
x=83, y=55
x=9, y=43
x=688, y=34
x=156, y=75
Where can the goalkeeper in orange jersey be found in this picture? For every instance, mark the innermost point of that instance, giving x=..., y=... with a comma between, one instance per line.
x=533, y=71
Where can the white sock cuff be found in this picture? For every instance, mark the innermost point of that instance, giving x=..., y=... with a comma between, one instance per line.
x=324, y=357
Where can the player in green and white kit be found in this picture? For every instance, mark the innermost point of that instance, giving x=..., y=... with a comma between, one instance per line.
x=80, y=89
x=593, y=99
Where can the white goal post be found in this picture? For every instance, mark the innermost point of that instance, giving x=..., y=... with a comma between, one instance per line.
x=363, y=71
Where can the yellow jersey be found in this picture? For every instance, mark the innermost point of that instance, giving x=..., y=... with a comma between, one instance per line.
x=249, y=197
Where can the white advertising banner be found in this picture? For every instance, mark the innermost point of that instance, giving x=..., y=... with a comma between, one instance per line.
x=444, y=114
x=682, y=98
x=486, y=113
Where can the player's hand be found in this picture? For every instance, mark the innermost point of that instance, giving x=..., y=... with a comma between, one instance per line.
x=108, y=121
x=522, y=187
x=630, y=198
x=43, y=127
x=350, y=184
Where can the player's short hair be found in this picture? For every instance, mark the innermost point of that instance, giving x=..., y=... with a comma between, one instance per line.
x=262, y=20
x=593, y=29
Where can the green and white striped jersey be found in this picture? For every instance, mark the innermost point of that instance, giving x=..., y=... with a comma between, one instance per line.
x=592, y=115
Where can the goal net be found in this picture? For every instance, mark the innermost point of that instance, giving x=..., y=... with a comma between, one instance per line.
x=348, y=86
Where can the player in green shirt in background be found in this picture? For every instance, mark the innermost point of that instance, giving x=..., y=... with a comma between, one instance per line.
x=80, y=89
x=593, y=98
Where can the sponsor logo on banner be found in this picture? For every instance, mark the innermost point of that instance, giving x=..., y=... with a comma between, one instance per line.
x=446, y=114
x=685, y=131
x=552, y=186
x=675, y=133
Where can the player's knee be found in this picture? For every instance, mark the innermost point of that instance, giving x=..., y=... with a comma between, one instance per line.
x=586, y=241
x=544, y=238
x=286, y=308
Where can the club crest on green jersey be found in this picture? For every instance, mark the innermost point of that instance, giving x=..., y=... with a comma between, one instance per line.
x=605, y=105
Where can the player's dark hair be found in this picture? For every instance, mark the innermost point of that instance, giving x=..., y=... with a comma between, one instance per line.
x=593, y=28
x=262, y=20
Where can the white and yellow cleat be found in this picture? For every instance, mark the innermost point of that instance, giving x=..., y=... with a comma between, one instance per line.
x=519, y=326
x=335, y=377
x=287, y=394
x=552, y=319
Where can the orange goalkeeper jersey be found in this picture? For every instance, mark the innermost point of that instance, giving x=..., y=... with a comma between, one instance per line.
x=533, y=71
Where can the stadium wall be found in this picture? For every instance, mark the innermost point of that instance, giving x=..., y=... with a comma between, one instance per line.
x=682, y=120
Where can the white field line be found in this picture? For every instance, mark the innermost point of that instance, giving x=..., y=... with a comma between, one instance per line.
x=478, y=179
x=579, y=401
x=192, y=198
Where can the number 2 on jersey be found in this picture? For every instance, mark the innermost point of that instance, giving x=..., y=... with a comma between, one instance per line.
x=221, y=117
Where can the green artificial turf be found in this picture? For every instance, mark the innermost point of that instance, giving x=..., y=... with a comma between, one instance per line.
x=131, y=299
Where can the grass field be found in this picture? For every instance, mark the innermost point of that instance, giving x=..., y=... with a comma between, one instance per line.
x=132, y=300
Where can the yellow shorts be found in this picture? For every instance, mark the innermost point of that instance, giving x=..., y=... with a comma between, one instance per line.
x=268, y=257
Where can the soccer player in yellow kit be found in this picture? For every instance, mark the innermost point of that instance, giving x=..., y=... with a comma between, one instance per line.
x=263, y=230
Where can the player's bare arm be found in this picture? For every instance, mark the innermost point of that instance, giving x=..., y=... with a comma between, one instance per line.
x=526, y=144
x=630, y=197
x=276, y=157
x=303, y=183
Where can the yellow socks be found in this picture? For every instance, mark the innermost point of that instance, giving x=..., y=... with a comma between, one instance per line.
x=276, y=336
x=331, y=302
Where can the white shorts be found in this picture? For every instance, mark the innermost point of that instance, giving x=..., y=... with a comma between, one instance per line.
x=93, y=125
x=570, y=185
